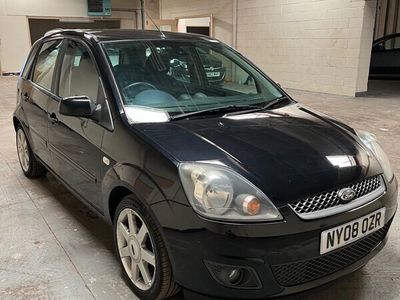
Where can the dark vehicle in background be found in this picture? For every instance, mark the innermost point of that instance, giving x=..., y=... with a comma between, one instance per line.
x=385, y=57
x=214, y=70
x=232, y=190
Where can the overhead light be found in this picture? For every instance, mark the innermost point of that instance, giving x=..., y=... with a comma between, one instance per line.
x=76, y=20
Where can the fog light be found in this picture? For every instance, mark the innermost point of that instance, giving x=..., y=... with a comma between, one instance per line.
x=239, y=277
x=235, y=276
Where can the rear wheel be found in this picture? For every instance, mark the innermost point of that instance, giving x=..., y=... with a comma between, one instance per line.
x=141, y=252
x=29, y=164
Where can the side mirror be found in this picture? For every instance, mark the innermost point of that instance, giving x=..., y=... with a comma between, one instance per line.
x=77, y=106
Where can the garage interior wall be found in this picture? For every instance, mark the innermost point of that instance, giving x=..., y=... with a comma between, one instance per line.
x=322, y=46
x=387, y=18
x=14, y=27
x=221, y=11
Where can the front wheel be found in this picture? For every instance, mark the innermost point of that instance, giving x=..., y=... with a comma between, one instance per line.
x=141, y=252
x=29, y=164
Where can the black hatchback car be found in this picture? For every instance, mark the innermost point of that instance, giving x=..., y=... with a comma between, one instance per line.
x=232, y=190
x=385, y=57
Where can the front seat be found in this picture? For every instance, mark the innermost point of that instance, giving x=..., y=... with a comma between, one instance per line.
x=131, y=67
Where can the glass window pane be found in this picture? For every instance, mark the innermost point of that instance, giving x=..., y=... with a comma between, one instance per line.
x=224, y=72
x=44, y=68
x=393, y=43
x=79, y=76
x=167, y=78
x=29, y=62
x=397, y=43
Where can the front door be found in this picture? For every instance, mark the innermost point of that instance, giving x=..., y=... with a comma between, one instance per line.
x=393, y=52
x=74, y=142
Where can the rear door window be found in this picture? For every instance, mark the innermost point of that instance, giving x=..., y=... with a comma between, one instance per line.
x=45, y=64
x=28, y=64
x=393, y=44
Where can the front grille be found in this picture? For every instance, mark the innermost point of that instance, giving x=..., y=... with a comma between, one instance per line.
x=329, y=199
x=304, y=271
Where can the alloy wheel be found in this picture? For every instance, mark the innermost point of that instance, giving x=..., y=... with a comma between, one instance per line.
x=136, y=249
x=23, y=150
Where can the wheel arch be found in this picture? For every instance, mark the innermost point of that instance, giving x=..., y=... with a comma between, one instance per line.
x=126, y=179
x=16, y=123
x=117, y=194
x=123, y=180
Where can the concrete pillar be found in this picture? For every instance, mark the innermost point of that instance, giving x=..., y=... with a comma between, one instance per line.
x=366, y=40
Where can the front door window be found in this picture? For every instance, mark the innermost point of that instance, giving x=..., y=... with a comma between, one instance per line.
x=79, y=76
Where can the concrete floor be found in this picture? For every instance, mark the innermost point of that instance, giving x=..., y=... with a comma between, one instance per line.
x=53, y=247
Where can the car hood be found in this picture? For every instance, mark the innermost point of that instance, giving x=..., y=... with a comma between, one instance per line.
x=289, y=153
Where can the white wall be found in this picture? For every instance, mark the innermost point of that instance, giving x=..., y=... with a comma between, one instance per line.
x=13, y=47
x=220, y=9
x=367, y=36
x=14, y=28
x=316, y=45
x=309, y=45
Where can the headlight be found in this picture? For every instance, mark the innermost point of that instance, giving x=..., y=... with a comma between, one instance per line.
x=371, y=143
x=218, y=192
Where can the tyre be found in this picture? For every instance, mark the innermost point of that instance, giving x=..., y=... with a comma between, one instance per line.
x=142, y=252
x=29, y=164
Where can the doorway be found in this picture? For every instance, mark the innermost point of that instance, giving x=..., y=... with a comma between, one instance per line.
x=384, y=76
x=198, y=29
x=38, y=27
x=199, y=25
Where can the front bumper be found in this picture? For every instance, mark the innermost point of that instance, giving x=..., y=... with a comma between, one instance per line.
x=286, y=259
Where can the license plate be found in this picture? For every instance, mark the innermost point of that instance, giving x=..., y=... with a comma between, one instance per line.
x=213, y=74
x=345, y=234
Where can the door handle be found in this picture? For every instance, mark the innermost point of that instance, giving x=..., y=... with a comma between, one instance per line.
x=25, y=97
x=53, y=118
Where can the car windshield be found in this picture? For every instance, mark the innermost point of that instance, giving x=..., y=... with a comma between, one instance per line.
x=160, y=79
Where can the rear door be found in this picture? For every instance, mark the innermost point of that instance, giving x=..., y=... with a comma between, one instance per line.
x=75, y=142
x=36, y=93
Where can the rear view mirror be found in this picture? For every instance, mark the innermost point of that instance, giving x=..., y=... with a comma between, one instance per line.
x=77, y=106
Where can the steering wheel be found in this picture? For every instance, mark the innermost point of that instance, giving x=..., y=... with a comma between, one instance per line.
x=135, y=88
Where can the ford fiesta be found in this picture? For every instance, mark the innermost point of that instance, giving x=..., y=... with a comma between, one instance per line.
x=229, y=190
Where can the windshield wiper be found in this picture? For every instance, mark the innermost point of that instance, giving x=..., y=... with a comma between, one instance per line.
x=274, y=102
x=220, y=110
x=231, y=110
x=269, y=105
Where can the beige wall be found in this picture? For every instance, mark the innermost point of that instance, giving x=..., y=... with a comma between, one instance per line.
x=14, y=28
x=388, y=18
x=220, y=9
x=152, y=7
x=311, y=45
x=367, y=37
x=13, y=47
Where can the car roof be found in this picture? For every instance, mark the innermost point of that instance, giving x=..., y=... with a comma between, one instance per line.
x=386, y=37
x=127, y=34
